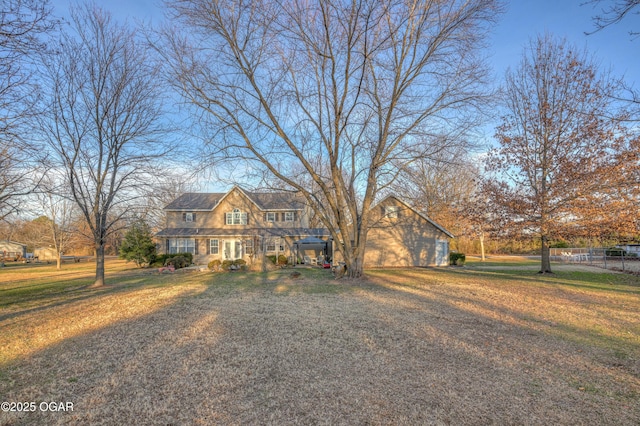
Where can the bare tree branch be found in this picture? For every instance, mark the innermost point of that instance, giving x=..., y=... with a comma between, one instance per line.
x=22, y=24
x=613, y=13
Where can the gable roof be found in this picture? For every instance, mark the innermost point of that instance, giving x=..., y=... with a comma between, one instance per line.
x=422, y=215
x=192, y=201
x=12, y=242
x=195, y=201
x=277, y=200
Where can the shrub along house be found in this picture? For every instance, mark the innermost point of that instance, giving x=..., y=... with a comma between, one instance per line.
x=242, y=225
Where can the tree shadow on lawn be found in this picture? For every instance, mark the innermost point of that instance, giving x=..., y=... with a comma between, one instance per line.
x=557, y=291
x=20, y=300
x=543, y=312
x=242, y=352
x=607, y=281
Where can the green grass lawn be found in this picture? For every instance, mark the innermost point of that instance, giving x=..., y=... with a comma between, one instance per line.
x=491, y=342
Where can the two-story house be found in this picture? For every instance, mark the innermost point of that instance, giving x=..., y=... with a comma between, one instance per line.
x=240, y=224
x=237, y=225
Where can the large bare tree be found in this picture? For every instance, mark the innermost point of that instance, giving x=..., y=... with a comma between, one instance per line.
x=103, y=122
x=561, y=143
x=348, y=92
x=23, y=23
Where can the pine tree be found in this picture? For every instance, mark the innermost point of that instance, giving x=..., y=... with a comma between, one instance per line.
x=138, y=245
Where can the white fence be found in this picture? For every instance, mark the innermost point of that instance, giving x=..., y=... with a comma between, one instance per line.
x=608, y=258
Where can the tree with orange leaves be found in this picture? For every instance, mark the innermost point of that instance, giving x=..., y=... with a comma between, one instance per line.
x=561, y=146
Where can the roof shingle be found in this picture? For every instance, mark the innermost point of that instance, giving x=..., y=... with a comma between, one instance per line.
x=264, y=200
x=195, y=201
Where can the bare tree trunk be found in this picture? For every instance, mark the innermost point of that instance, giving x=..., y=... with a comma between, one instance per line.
x=355, y=265
x=545, y=266
x=99, y=266
x=482, y=247
x=59, y=261
x=358, y=271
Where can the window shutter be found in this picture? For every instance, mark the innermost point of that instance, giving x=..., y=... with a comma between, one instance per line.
x=184, y=217
x=208, y=242
x=193, y=215
x=265, y=217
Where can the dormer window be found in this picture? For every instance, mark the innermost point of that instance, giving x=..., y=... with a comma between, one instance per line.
x=391, y=212
x=236, y=217
x=188, y=217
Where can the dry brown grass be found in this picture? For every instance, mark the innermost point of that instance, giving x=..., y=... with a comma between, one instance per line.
x=477, y=345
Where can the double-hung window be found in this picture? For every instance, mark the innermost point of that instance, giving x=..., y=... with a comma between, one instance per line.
x=214, y=246
x=248, y=247
x=270, y=245
x=182, y=245
x=289, y=216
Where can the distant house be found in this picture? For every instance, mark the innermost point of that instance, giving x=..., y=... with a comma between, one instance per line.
x=12, y=250
x=240, y=224
x=45, y=253
x=630, y=248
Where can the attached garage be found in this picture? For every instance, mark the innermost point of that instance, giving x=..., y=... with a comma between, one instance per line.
x=401, y=236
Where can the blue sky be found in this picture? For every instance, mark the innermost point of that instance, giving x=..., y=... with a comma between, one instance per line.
x=524, y=19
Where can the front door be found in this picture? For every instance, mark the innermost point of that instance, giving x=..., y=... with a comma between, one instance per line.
x=232, y=249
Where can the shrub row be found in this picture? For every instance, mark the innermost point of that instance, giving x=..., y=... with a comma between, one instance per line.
x=280, y=260
x=178, y=260
x=226, y=265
